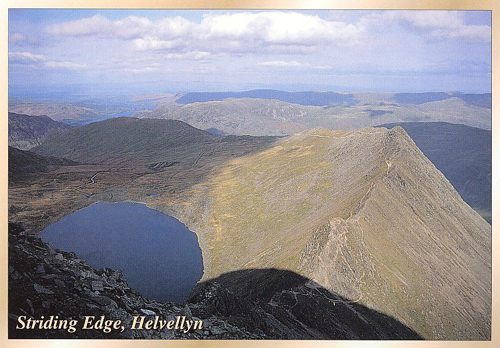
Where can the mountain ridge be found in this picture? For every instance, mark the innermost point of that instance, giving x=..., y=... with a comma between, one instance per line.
x=329, y=98
x=462, y=154
x=363, y=211
x=326, y=205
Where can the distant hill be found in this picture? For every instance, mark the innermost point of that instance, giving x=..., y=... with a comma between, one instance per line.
x=319, y=98
x=67, y=113
x=27, y=131
x=274, y=117
x=302, y=98
x=480, y=100
x=417, y=106
x=215, y=131
x=462, y=154
x=122, y=140
x=130, y=142
x=25, y=164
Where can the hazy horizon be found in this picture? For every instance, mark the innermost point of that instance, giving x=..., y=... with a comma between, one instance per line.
x=91, y=53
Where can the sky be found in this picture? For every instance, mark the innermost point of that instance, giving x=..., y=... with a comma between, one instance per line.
x=171, y=51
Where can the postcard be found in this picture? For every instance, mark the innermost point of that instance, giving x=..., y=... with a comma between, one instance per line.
x=249, y=174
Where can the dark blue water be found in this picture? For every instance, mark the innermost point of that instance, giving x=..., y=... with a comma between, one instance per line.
x=158, y=255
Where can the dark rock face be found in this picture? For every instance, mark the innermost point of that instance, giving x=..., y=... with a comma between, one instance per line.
x=248, y=304
x=27, y=131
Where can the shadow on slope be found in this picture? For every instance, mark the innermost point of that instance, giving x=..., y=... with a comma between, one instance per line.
x=23, y=165
x=285, y=305
x=45, y=282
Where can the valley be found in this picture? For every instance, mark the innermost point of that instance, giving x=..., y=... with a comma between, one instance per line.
x=323, y=204
x=268, y=174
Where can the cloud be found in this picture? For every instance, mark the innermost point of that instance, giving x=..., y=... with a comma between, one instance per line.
x=439, y=24
x=282, y=63
x=146, y=69
x=446, y=24
x=150, y=44
x=191, y=55
x=128, y=27
x=468, y=32
x=293, y=64
x=65, y=65
x=234, y=31
x=85, y=26
x=41, y=60
x=16, y=37
x=322, y=67
x=278, y=28
x=170, y=27
x=25, y=57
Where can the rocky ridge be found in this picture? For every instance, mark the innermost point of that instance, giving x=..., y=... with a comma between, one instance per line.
x=330, y=205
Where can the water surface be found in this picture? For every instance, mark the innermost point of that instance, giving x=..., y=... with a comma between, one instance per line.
x=159, y=256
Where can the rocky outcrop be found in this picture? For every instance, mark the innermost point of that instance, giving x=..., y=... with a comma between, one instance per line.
x=56, y=286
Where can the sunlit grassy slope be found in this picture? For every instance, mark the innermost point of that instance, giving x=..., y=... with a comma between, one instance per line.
x=364, y=214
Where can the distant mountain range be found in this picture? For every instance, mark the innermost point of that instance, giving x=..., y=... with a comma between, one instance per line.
x=66, y=113
x=302, y=98
x=284, y=112
x=335, y=98
x=256, y=116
